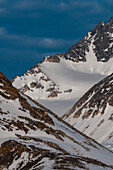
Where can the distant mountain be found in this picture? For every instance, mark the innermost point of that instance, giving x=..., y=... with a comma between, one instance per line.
x=32, y=137
x=93, y=113
x=60, y=80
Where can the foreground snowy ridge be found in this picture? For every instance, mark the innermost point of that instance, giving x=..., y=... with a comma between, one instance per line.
x=32, y=137
x=62, y=79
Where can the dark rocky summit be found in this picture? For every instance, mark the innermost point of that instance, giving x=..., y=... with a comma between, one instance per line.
x=102, y=38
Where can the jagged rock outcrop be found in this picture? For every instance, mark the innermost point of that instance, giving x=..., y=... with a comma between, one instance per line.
x=102, y=36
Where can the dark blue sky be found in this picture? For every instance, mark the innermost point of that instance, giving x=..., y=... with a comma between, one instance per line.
x=33, y=29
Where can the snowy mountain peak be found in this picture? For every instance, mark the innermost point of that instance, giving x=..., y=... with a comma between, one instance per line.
x=57, y=81
x=78, y=51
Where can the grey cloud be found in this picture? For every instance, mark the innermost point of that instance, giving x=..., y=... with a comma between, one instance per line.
x=53, y=5
x=26, y=41
x=108, y=1
x=2, y=31
x=2, y=10
x=71, y=6
x=2, y=2
x=34, y=4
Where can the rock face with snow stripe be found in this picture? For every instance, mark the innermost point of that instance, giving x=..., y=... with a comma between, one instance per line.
x=60, y=78
x=77, y=52
x=93, y=113
x=33, y=157
x=102, y=36
x=33, y=137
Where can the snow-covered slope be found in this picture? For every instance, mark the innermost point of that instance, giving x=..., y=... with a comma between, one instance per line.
x=32, y=137
x=93, y=113
x=66, y=77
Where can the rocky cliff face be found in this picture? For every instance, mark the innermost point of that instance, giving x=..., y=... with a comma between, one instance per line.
x=93, y=113
x=102, y=36
x=32, y=137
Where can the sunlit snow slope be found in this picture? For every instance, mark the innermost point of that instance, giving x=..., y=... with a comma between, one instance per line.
x=93, y=113
x=32, y=137
x=60, y=80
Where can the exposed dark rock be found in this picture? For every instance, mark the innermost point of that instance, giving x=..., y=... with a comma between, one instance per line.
x=36, y=85
x=33, y=84
x=46, y=79
x=25, y=88
x=54, y=94
x=55, y=59
x=9, y=91
x=68, y=91
x=39, y=86
x=50, y=89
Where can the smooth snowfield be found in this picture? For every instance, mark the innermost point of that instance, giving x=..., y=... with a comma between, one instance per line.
x=57, y=106
x=79, y=77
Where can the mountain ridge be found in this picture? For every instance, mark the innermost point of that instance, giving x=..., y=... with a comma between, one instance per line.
x=92, y=114
x=35, y=138
x=58, y=79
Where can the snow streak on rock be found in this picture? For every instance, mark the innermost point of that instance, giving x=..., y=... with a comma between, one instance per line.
x=93, y=113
